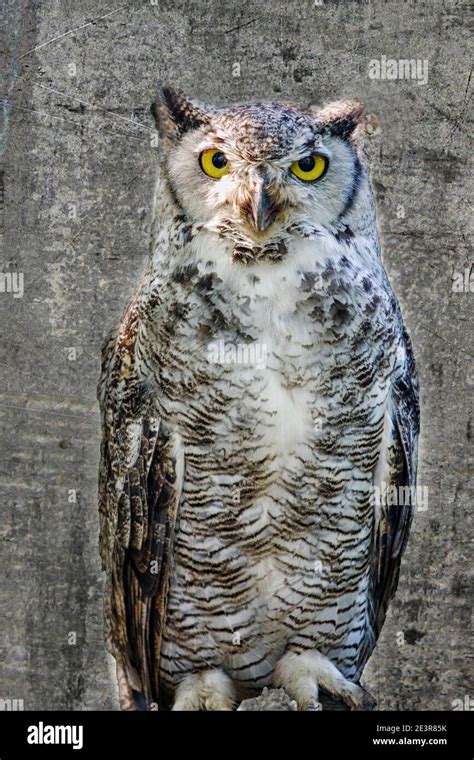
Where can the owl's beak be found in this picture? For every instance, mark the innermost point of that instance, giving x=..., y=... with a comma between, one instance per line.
x=262, y=210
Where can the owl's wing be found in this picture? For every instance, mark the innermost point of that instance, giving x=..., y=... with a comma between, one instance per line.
x=138, y=496
x=396, y=484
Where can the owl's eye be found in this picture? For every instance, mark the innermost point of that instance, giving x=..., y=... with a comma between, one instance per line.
x=310, y=168
x=213, y=163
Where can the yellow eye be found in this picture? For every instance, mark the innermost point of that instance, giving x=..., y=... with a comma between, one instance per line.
x=310, y=168
x=213, y=163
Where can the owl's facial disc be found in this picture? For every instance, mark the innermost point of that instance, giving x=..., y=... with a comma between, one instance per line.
x=254, y=198
x=264, y=199
x=260, y=174
x=258, y=198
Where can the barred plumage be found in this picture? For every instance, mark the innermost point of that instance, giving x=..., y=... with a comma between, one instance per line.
x=239, y=530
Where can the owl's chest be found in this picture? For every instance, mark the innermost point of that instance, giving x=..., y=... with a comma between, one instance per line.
x=248, y=427
x=261, y=392
x=254, y=362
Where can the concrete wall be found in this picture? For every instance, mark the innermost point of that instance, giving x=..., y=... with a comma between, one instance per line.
x=79, y=173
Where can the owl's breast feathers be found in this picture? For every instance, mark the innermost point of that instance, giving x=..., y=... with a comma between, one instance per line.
x=332, y=413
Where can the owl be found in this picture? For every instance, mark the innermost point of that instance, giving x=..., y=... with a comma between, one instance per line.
x=259, y=403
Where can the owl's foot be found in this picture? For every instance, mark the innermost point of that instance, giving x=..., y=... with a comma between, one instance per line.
x=301, y=675
x=208, y=690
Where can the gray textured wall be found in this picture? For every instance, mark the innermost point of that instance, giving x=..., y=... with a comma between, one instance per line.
x=78, y=184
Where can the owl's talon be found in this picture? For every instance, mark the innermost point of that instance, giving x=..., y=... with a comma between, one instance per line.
x=302, y=674
x=210, y=690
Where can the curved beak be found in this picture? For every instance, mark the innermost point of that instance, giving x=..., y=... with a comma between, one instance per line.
x=261, y=209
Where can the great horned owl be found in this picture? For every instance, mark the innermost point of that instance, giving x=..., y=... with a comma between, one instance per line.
x=258, y=400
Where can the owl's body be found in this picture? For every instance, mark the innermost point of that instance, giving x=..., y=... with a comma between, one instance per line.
x=259, y=394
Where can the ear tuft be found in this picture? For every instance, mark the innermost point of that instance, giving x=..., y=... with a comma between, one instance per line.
x=340, y=118
x=175, y=114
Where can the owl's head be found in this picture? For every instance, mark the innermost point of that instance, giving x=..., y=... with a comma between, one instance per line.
x=260, y=172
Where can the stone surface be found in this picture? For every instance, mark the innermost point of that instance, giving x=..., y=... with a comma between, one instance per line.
x=269, y=699
x=80, y=162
